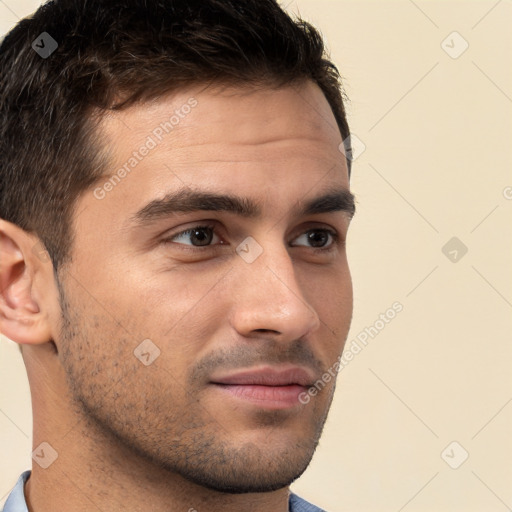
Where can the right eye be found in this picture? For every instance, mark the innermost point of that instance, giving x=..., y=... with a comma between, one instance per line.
x=197, y=236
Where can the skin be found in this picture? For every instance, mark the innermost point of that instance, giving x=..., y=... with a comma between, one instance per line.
x=162, y=437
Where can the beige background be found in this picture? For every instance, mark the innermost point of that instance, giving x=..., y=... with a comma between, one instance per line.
x=437, y=162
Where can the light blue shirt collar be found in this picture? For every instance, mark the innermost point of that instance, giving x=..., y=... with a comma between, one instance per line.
x=16, y=500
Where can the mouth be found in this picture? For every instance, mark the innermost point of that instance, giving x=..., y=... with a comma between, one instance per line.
x=269, y=388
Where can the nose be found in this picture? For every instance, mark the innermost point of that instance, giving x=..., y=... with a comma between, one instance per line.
x=270, y=300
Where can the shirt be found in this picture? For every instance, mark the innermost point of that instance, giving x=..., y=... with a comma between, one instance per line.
x=16, y=500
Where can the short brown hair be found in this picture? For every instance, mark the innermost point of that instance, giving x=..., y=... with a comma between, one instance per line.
x=111, y=54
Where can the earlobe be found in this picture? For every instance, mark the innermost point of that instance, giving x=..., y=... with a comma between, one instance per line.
x=22, y=319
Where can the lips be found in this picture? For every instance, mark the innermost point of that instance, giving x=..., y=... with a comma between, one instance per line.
x=268, y=388
x=268, y=377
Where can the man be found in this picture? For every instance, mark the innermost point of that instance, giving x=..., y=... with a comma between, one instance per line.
x=174, y=208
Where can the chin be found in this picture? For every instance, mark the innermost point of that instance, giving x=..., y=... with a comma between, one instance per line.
x=249, y=473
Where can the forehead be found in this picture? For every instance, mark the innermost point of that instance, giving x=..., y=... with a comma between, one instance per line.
x=251, y=105
x=247, y=118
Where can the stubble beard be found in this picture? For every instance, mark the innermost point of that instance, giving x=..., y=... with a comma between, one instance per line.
x=185, y=441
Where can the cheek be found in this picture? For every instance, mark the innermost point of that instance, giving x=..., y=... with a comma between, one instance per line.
x=116, y=382
x=332, y=298
x=159, y=300
x=179, y=311
x=329, y=292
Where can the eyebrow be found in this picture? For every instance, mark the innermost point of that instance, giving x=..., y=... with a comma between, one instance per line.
x=187, y=201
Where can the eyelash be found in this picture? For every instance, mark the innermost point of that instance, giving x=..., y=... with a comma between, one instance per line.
x=169, y=240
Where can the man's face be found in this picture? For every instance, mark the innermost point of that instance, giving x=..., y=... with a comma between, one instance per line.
x=235, y=276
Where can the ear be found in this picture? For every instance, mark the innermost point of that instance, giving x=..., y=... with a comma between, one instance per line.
x=24, y=267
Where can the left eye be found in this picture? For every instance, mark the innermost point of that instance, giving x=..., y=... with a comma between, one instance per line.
x=198, y=236
x=318, y=238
